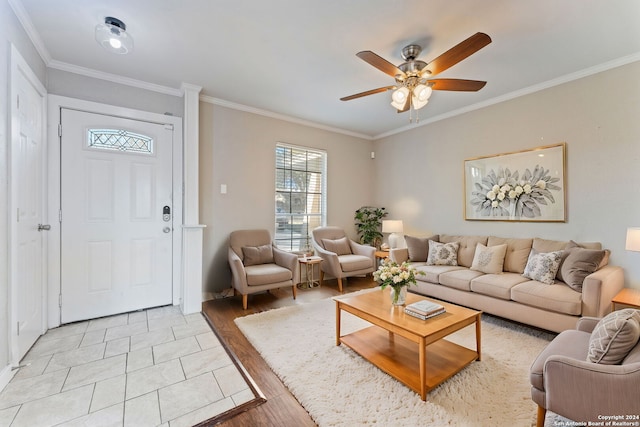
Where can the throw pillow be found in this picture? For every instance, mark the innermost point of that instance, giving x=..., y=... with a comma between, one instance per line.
x=419, y=247
x=443, y=253
x=542, y=266
x=578, y=263
x=489, y=259
x=254, y=255
x=614, y=336
x=338, y=246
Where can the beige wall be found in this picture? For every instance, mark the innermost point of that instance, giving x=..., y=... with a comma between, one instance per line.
x=237, y=149
x=598, y=117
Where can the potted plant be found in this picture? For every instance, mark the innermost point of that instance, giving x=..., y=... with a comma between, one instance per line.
x=369, y=223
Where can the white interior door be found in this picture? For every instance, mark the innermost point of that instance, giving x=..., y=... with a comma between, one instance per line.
x=27, y=201
x=116, y=215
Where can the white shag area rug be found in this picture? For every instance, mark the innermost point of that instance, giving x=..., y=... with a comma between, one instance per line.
x=339, y=388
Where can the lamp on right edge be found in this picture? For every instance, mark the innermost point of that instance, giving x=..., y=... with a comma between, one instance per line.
x=395, y=228
x=633, y=239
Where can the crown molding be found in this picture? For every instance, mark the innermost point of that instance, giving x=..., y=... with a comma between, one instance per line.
x=284, y=117
x=89, y=72
x=521, y=92
x=31, y=31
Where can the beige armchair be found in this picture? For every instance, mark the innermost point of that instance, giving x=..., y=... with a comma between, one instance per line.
x=563, y=381
x=341, y=256
x=258, y=265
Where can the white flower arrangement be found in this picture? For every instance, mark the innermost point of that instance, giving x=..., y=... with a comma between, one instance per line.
x=396, y=275
x=509, y=194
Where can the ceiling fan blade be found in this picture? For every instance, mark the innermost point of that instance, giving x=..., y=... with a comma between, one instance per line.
x=380, y=63
x=457, y=84
x=457, y=54
x=369, y=92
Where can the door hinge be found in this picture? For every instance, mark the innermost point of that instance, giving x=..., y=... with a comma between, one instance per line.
x=59, y=129
x=60, y=215
x=60, y=300
x=18, y=328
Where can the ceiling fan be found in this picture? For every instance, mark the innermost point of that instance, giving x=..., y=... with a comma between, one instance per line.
x=413, y=84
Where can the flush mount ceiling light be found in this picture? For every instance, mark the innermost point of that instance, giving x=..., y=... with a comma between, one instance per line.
x=113, y=36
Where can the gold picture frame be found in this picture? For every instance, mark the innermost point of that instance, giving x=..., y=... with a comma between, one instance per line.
x=527, y=185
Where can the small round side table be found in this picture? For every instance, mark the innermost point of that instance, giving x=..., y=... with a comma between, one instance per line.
x=309, y=262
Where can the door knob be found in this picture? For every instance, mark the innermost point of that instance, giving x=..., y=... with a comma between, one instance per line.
x=46, y=227
x=166, y=229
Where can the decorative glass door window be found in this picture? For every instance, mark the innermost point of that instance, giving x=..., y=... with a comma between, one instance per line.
x=121, y=140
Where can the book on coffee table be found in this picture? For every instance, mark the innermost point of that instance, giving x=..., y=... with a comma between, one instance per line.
x=423, y=317
x=425, y=308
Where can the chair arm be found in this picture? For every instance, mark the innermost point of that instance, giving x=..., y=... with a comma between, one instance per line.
x=364, y=250
x=599, y=288
x=582, y=391
x=399, y=255
x=587, y=324
x=330, y=262
x=289, y=261
x=238, y=273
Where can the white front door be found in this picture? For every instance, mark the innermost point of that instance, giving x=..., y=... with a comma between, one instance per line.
x=117, y=215
x=27, y=202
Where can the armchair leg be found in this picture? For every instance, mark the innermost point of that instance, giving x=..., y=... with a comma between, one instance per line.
x=294, y=291
x=245, y=297
x=542, y=412
x=321, y=277
x=340, y=284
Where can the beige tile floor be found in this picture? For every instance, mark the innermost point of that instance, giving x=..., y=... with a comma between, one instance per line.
x=146, y=368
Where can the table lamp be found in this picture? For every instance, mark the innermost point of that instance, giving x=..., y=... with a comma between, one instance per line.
x=633, y=239
x=395, y=228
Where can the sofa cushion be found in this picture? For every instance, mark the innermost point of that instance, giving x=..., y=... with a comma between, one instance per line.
x=254, y=255
x=557, y=297
x=459, y=279
x=354, y=262
x=577, y=264
x=467, y=246
x=432, y=272
x=515, y=259
x=497, y=285
x=544, y=245
x=338, y=246
x=614, y=336
x=489, y=259
x=443, y=253
x=264, y=274
x=543, y=266
x=570, y=343
x=419, y=247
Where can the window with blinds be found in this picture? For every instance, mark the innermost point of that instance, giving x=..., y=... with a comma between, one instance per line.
x=300, y=195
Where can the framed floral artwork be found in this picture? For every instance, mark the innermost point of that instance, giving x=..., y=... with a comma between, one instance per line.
x=521, y=186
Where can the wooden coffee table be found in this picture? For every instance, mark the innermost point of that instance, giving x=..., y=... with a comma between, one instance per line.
x=411, y=350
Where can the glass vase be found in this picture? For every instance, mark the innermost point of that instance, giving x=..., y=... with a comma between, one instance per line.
x=398, y=295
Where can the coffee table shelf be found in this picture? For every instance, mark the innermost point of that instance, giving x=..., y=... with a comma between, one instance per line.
x=398, y=357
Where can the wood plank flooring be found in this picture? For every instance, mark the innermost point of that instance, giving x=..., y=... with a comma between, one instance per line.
x=281, y=408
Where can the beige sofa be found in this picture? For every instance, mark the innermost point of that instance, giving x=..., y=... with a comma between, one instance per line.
x=507, y=293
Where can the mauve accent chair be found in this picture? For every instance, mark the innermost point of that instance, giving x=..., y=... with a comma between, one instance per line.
x=341, y=256
x=258, y=265
x=566, y=382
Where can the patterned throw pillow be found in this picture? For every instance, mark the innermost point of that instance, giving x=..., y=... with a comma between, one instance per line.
x=489, y=259
x=614, y=336
x=443, y=253
x=542, y=266
x=254, y=255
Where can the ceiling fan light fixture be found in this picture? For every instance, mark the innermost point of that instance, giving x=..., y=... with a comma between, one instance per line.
x=422, y=92
x=113, y=36
x=399, y=98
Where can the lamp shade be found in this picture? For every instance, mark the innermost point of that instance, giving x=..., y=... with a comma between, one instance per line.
x=399, y=98
x=113, y=36
x=633, y=239
x=392, y=226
